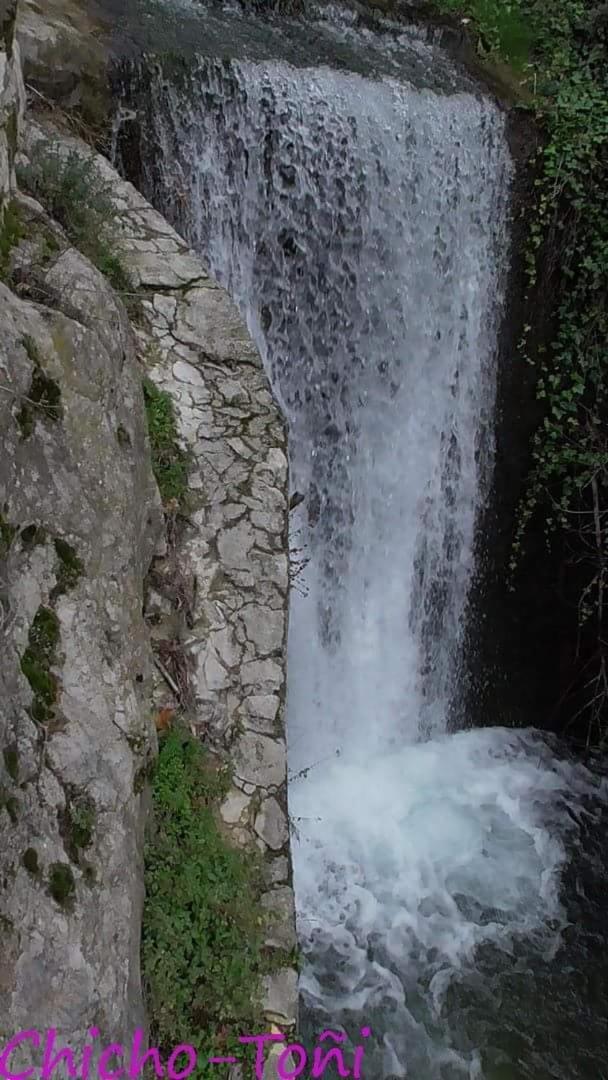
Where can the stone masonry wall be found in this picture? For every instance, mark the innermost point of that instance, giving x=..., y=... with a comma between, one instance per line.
x=231, y=555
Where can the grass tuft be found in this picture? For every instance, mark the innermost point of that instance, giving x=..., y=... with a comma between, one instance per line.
x=202, y=932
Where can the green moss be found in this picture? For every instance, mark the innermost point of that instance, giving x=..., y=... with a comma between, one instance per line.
x=504, y=28
x=566, y=77
x=37, y=660
x=70, y=568
x=43, y=397
x=143, y=776
x=82, y=821
x=123, y=437
x=61, y=884
x=89, y=874
x=202, y=928
x=12, y=132
x=76, y=822
x=32, y=536
x=30, y=861
x=169, y=462
x=11, y=232
x=10, y=804
x=11, y=762
x=76, y=196
x=7, y=535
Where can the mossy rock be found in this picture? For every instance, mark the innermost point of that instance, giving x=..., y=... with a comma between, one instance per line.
x=62, y=886
x=36, y=662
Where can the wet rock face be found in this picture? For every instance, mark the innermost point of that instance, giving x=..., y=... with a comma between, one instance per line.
x=11, y=101
x=79, y=518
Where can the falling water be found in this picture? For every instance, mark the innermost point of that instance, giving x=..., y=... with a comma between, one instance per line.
x=361, y=223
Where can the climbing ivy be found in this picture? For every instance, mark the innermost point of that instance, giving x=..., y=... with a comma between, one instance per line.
x=560, y=51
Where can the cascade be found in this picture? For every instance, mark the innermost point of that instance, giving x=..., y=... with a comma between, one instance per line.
x=361, y=222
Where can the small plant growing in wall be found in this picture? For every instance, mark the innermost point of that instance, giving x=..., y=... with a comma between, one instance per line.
x=202, y=931
x=169, y=461
x=74, y=194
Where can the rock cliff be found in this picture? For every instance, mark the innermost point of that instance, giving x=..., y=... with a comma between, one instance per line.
x=102, y=585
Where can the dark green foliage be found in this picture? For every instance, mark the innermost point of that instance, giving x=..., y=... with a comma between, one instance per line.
x=81, y=822
x=37, y=660
x=202, y=936
x=69, y=570
x=504, y=28
x=74, y=194
x=11, y=762
x=566, y=84
x=30, y=861
x=123, y=437
x=11, y=232
x=61, y=884
x=169, y=462
x=11, y=805
x=76, y=824
x=7, y=534
x=32, y=535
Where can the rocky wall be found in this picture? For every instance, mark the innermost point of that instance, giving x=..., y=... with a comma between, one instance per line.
x=81, y=533
x=12, y=99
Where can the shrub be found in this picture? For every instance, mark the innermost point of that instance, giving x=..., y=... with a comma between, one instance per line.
x=75, y=195
x=567, y=489
x=169, y=461
x=202, y=940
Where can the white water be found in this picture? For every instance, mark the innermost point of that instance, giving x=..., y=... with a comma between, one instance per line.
x=362, y=227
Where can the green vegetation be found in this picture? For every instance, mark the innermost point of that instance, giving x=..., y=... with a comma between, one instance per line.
x=561, y=53
x=30, y=861
x=61, y=884
x=11, y=762
x=7, y=535
x=44, y=396
x=10, y=804
x=82, y=821
x=169, y=462
x=69, y=570
x=504, y=30
x=74, y=194
x=11, y=232
x=202, y=932
x=37, y=660
x=76, y=824
x=32, y=536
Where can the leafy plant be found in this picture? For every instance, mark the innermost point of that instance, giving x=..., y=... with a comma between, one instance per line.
x=11, y=232
x=76, y=196
x=169, y=461
x=567, y=69
x=202, y=934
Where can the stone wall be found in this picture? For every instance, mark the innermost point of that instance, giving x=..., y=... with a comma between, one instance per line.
x=230, y=557
x=91, y=570
x=79, y=519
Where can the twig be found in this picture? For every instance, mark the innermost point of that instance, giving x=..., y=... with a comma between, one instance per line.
x=166, y=676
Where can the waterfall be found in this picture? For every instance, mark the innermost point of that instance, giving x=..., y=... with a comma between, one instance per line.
x=361, y=222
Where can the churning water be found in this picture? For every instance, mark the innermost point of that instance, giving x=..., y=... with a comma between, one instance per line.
x=361, y=223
